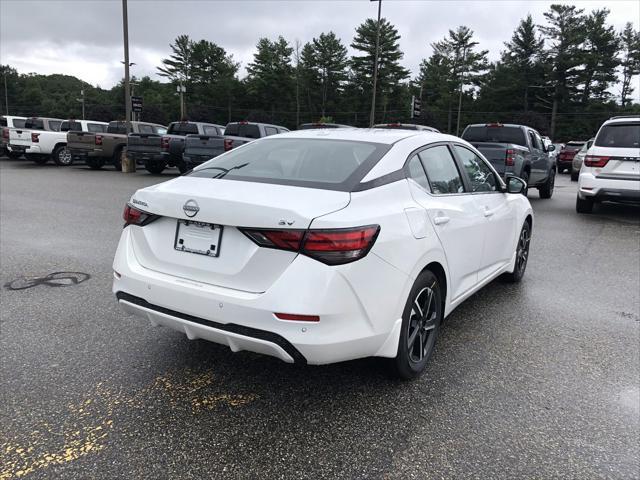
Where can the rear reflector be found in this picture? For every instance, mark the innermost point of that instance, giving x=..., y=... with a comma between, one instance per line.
x=330, y=246
x=5, y=132
x=297, y=318
x=164, y=143
x=596, y=161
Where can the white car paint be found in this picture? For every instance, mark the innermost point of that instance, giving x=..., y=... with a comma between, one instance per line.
x=472, y=236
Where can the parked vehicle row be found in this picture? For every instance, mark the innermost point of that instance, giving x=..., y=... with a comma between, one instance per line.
x=8, y=122
x=578, y=158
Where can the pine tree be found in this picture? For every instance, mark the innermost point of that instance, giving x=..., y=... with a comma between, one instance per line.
x=179, y=64
x=630, y=61
x=330, y=65
x=390, y=73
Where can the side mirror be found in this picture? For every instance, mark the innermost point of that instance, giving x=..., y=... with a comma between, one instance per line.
x=551, y=148
x=516, y=185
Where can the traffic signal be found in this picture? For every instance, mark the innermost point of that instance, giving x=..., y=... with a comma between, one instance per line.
x=416, y=107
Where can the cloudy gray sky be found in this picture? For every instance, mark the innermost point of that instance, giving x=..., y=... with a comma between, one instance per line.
x=84, y=37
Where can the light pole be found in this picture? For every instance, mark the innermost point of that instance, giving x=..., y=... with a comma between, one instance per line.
x=127, y=87
x=181, y=90
x=375, y=68
x=81, y=100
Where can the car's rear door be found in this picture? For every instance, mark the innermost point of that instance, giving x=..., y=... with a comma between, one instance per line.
x=498, y=213
x=455, y=215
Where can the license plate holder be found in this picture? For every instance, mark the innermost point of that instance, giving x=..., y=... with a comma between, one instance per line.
x=198, y=237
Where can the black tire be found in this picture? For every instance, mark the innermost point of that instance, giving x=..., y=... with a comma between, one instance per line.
x=522, y=255
x=154, y=167
x=95, y=163
x=525, y=177
x=546, y=190
x=584, y=205
x=61, y=156
x=117, y=158
x=421, y=320
x=14, y=155
x=39, y=159
x=574, y=176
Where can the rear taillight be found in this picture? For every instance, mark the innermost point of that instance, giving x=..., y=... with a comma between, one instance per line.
x=228, y=144
x=98, y=140
x=510, y=158
x=133, y=216
x=5, y=132
x=164, y=143
x=332, y=246
x=596, y=161
x=34, y=137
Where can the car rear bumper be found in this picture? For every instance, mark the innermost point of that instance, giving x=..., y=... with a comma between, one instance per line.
x=347, y=328
x=614, y=190
x=564, y=163
x=141, y=157
x=33, y=149
x=81, y=154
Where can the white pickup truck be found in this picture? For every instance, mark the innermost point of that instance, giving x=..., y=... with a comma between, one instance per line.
x=45, y=138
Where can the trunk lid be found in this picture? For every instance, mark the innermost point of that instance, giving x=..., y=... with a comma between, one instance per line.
x=20, y=137
x=240, y=264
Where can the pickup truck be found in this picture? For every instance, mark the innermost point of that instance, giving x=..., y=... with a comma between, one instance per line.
x=96, y=149
x=515, y=150
x=199, y=149
x=39, y=139
x=156, y=151
x=7, y=122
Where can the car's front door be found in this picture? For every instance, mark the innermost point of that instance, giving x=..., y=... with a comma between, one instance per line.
x=457, y=220
x=499, y=215
x=539, y=159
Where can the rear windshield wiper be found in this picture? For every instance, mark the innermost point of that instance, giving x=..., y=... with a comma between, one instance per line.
x=227, y=170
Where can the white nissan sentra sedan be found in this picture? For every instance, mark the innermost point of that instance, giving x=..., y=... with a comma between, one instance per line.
x=319, y=246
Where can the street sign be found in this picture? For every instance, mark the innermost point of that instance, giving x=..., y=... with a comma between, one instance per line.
x=136, y=104
x=416, y=107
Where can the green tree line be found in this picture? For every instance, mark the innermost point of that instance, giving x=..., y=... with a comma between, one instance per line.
x=557, y=77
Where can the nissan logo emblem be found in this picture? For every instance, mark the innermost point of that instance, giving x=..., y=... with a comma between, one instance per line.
x=191, y=208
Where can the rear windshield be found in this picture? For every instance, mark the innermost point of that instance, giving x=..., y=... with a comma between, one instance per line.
x=34, y=124
x=117, y=127
x=497, y=134
x=575, y=144
x=242, y=130
x=182, y=128
x=619, y=135
x=316, y=163
x=70, y=125
x=18, y=122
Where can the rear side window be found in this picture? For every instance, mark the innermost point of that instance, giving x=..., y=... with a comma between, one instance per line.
x=495, y=133
x=117, y=128
x=416, y=172
x=211, y=131
x=441, y=170
x=481, y=177
x=619, y=135
x=315, y=163
x=34, y=124
x=67, y=126
x=96, y=127
x=183, y=128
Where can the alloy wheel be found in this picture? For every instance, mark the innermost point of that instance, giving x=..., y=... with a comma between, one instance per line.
x=422, y=322
x=522, y=254
x=65, y=157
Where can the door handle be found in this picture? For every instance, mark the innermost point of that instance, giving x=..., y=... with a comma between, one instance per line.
x=441, y=220
x=488, y=212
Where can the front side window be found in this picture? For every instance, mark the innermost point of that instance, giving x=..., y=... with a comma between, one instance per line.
x=481, y=177
x=416, y=172
x=211, y=130
x=534, y=141
x=159, y=130
x=315, y=163
x=145, y=128
x=54, y=125
x=441, y=170
x=67, y=126
x=270, y=131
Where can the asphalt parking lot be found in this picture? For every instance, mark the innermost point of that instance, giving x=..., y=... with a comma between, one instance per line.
x=539, y=379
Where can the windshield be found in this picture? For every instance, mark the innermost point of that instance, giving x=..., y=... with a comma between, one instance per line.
x=619, y=135
x=34, y=124
x=497, y=134
x=315, y=163
x=245, y=130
